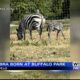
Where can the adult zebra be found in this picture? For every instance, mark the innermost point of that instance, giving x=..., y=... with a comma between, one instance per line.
x=56, y=26
x=31, y=22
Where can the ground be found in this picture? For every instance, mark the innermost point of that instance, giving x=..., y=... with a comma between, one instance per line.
x=44, y=74
x=40, y=50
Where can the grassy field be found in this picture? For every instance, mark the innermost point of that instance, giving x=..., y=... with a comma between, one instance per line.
x=40, y=50
x=45, y=74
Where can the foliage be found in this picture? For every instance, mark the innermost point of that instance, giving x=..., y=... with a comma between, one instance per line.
x=49, y=8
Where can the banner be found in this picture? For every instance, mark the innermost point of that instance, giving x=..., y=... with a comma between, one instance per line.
x=39, y=66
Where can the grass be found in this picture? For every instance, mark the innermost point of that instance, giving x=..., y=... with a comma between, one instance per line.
x=40, y=50
x=40, y=74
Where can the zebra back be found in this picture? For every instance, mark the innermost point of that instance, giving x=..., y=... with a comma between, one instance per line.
x=27, y=20
x=55, y=26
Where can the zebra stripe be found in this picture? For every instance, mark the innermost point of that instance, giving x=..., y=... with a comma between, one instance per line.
x=57, y=26
x=30, y=20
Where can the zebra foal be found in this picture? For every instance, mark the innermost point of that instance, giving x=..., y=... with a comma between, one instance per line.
x=55, y=27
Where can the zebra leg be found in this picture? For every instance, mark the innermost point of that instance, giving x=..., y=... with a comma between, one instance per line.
x=62, y=34
x=40, y=33
x=49, y=32
x=24, y=34
x=58, y=31
x=30, y=34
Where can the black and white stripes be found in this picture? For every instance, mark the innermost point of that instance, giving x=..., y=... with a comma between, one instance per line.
x=55, y=27
x=30, y=22
x=36, y=22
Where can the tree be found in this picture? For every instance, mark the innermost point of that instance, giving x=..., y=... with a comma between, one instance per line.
x=21, y=7
x=66, y=9
x=49, y=8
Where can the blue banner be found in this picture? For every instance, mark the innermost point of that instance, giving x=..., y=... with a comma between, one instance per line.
x=39, y=66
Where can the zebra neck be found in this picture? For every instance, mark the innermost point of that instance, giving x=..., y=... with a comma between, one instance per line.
x=21, y=30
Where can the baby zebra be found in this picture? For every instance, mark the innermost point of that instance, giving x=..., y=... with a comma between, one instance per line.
x=55, y=27
x=30, y=22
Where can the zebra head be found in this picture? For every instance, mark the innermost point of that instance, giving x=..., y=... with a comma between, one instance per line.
x=19, y=34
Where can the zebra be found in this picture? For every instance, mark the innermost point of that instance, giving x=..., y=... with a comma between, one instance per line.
x=58, y=26
x=31, y=22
